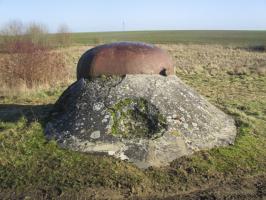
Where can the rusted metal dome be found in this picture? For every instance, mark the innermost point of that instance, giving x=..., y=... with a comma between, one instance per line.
x=124, y=58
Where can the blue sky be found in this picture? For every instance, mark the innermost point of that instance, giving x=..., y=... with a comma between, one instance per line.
x=108, y=15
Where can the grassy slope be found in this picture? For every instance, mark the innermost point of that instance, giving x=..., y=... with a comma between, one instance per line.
x=236, y=38
x=32, y=166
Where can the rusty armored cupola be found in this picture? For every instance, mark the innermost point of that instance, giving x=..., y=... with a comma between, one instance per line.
x=123, y=58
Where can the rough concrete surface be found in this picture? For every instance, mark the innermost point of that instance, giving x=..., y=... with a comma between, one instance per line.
x=149, y=120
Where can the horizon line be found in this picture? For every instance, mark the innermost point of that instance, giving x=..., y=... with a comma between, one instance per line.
x=152, y=30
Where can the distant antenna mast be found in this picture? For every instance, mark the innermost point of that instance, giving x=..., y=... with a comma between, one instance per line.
x=123, y=26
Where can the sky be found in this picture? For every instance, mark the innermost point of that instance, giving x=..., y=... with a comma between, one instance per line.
x=130, y=15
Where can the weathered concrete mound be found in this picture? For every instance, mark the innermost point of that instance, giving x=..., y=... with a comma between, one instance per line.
x=149, y=120
x=122, y=58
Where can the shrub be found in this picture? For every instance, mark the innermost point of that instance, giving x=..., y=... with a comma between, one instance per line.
x=38, y=34
x=28, y=60
x=12, y=32
x=32, y=65
x=63, y=36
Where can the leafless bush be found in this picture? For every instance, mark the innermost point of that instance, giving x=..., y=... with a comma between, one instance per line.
x=33, y=66
x=38, y=34
x=28, y=60
x=63, y=36
x=15, y=32
x=11, y=33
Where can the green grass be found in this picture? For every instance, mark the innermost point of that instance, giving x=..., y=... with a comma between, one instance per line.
x=243, y=97
x=28, y=160
x=32, y=166
x=235, y=38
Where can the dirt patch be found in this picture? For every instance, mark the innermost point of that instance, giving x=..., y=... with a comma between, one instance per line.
x=245, y=188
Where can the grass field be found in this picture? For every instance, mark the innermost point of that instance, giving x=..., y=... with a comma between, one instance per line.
x=235, y=38
x=233, y=79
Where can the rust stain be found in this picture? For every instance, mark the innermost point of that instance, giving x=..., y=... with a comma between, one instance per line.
x=124, y=58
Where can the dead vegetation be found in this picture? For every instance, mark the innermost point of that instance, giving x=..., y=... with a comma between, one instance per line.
x=216, y=59
x=28, y=60
x=30, y=66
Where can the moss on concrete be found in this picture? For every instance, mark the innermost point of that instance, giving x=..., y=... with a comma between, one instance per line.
x=175, y=133
x=136, y=118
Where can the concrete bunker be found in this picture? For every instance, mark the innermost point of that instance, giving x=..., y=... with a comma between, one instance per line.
x=128, y=103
